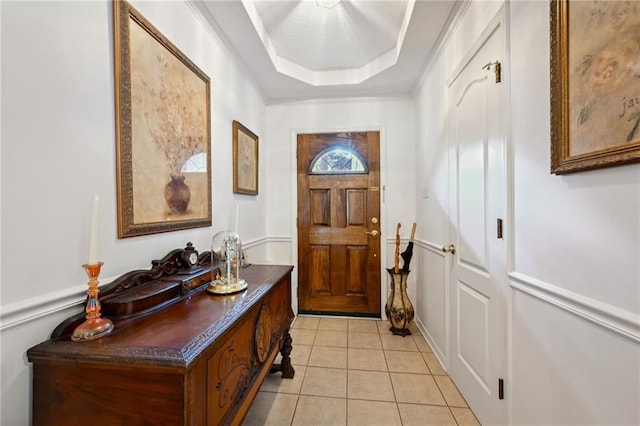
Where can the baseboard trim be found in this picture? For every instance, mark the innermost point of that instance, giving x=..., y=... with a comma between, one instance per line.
x=435, y=348
x=619, y=321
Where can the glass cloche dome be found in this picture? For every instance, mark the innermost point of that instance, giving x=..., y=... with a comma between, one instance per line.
x=226, y=263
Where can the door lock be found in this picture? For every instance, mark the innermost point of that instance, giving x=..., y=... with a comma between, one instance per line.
x=373, y=233
x=374, y=220
x=449, y=249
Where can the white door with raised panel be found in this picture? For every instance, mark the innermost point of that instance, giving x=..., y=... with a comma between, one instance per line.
x=478, y=254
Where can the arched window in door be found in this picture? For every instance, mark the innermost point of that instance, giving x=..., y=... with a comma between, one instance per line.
x=337, y=159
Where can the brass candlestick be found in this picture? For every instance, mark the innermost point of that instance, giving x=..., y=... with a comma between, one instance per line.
x=94, y=327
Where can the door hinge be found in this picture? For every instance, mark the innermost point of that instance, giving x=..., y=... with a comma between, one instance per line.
x=497, y=69
x=500, y=388
x=499, y=229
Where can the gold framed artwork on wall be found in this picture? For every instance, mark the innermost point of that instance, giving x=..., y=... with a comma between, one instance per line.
x=595, y=84
x=162, y=131
x=245, y=160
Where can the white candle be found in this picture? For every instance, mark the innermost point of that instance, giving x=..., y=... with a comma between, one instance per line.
x=235, y=225
x=93, y=242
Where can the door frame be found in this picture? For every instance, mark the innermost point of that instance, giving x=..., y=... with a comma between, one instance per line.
x=294, y=205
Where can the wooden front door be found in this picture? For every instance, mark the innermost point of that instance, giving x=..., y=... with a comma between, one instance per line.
x=339, y=223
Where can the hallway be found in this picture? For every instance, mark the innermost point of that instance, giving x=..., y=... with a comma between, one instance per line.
x=355, y=372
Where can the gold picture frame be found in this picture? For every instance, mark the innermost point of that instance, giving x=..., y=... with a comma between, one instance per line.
x=595, y=82
x=163, y=139
x=245, y=160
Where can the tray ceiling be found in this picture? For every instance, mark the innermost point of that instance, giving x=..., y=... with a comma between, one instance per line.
x=298, y=49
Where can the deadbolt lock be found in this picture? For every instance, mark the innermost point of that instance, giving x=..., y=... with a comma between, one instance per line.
x=374, y=220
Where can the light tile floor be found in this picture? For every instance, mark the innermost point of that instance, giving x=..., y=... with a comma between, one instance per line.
x=355, y=372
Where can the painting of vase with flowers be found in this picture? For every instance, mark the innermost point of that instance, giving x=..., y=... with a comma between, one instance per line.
x=164, y=138
x=595, y=84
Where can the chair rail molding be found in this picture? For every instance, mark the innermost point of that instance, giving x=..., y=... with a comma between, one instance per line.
x=31, y=309
x=432, y=247
x=614, y=319
x=275, y=239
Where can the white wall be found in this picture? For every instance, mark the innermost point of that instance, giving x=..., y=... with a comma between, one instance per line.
x=432, y=204
x=393, y=117
x=576, y=243
x=58, y=149
x=574, y=240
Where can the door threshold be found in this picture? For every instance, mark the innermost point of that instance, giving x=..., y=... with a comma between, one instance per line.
x=339, y=314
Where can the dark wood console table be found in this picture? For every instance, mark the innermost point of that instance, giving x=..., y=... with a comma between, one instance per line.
x=187, y=357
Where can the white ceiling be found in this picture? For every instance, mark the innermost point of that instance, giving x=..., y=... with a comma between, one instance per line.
x=296, y=49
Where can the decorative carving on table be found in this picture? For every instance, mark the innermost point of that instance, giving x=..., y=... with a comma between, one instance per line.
x=233, y=374
x=203, y=356
x=263, y=336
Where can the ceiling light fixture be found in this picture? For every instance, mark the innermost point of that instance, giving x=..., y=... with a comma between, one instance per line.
x=328, y=4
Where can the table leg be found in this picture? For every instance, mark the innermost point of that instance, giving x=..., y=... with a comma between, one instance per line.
x=285, y=366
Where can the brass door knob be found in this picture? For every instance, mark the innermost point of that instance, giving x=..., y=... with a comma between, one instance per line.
x=449, y=249
x=373, y=233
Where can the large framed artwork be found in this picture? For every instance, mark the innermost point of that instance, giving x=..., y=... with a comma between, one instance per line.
x=245, y=160
x=595, y=84
x=162, y=131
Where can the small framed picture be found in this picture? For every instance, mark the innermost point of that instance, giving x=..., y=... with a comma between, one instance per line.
x=245, y=160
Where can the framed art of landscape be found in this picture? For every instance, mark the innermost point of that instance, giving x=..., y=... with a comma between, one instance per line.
x=162, y=131
x=595, y=84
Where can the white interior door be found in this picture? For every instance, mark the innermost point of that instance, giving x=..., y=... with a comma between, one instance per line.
x=477, y=200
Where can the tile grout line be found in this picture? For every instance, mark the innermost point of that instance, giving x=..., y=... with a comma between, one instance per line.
x=346, y=382
x=386, y=364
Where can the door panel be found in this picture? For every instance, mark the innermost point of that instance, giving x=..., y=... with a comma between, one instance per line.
x=471, y=137
x=320, y=208
x=319, y=269
x=473, y=335
x=356, y=269
x=338, y=261
x=356, y=207
x=478, y=267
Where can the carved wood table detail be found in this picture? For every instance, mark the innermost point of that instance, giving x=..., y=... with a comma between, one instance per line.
x=196, y=359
